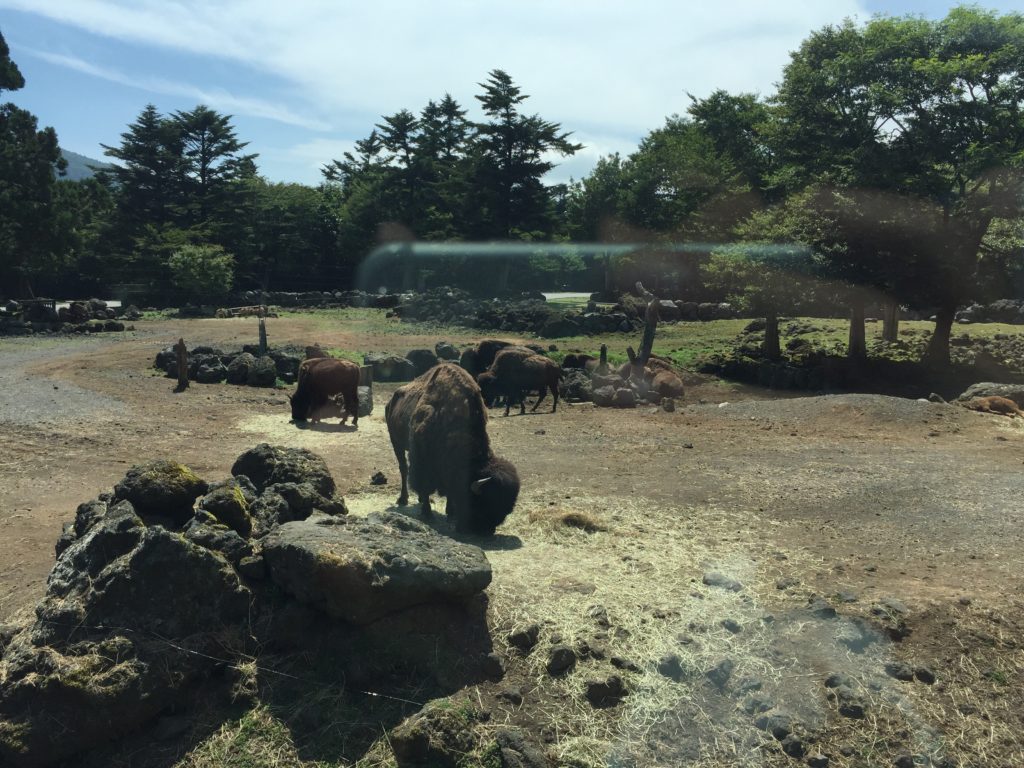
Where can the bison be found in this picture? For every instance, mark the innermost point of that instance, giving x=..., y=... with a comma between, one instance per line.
x=440, y=420
x=994, y=404
x=579, y=360
x=478, y=359
x=514, y=373
x=320, y=378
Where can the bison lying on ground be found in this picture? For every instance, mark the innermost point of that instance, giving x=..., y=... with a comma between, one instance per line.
x=994, y=404
x=514, y=373
x=441, y=421
x=320, y=378
x=579, y=360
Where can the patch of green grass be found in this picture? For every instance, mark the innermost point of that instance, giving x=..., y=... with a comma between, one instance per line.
x=344, y=354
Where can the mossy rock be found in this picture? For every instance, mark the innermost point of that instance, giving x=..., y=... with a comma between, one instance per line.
x=229, y=502
x=162, y=488
x=440, y=735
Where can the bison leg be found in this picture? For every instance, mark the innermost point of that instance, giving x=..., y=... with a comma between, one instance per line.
x=543, y=394
x=425, y=506
x=352, y=403
x=522, y=402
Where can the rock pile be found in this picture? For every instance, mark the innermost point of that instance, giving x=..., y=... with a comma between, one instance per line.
x=211, y=365
x=163, y=582
x=1002, y=311
x=621, y=387
x=39, y=316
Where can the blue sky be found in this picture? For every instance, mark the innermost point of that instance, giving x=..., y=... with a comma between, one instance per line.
x=307, y=78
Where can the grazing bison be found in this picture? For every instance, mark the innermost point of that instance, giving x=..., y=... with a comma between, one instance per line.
x=513, y=374
x=320, y=378
x=441, y=422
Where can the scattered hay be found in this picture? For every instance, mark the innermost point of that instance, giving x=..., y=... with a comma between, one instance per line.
x=554, y=517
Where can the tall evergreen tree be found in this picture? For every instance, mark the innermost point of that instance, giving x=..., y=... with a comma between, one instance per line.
x=28, y=160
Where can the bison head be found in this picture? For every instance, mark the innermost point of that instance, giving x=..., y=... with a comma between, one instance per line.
x=493, y=495
x=300, y=406
x=487, y=382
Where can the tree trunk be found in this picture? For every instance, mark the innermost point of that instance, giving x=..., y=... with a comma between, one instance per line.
x=182, y=358
x=891, y=321
x=771, y=348
x=263, y=336
x=504, y=270
x=938, y=347
x=857, y=348
x=608, y=277
x=639, y=361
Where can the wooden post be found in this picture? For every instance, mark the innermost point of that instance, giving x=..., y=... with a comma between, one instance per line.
x=182, y=353
x=365, y=375
x=263, y=336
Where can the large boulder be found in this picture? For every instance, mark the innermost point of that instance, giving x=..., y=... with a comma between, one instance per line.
x=229, y=501
x=268, y=464
x=1014, y=392
x=162, y=489
x=239, y=367
x=263, y=372
x=287, y=502
x=132, y=618
x=211, y=372
x=360, y=570
x=576, y=386
x=446, y=351
x=365, y=401
x=390, y=367
x=422, y=359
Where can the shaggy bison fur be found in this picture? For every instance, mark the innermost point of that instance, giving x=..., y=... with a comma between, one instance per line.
x=579, y=360
x=994, y=404
x=514, y=373
x=440, y=421
x=320, y=378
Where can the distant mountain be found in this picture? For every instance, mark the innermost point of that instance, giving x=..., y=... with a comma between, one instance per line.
x=79, y=165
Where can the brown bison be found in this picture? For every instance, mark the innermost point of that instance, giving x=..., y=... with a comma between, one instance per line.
x=479, y=358
x=514, y=373
x=579, y=360
x=320, y=378
x=441, y=422
x=994, y=404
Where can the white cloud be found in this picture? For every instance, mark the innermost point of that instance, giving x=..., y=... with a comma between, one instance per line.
x=601, y=67
x=212, y=97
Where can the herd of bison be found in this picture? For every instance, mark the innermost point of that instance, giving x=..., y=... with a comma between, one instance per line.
x=438, y=423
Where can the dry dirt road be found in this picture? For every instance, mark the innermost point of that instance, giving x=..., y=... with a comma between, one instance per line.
x=861, y=497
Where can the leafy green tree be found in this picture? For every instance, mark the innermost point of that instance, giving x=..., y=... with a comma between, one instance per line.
x=29, y=158
x=204, y=272
x=764, y=279
x=927, y=111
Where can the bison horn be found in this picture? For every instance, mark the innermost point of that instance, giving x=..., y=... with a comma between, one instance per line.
x=477, y=485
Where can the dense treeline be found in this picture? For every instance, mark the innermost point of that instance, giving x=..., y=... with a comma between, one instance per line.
x=886, y=168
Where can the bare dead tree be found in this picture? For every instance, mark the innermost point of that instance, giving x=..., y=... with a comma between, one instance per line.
x=639, y=361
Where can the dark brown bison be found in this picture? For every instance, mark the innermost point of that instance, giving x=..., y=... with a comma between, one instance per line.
x=579, y=360
x=514, y=373
x=320, y=378
x=479, y=358
x=441, y=422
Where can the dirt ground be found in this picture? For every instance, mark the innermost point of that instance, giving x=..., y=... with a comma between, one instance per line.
x=862, y=501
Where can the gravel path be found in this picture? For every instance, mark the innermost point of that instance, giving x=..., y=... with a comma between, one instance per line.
x=32, y=399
